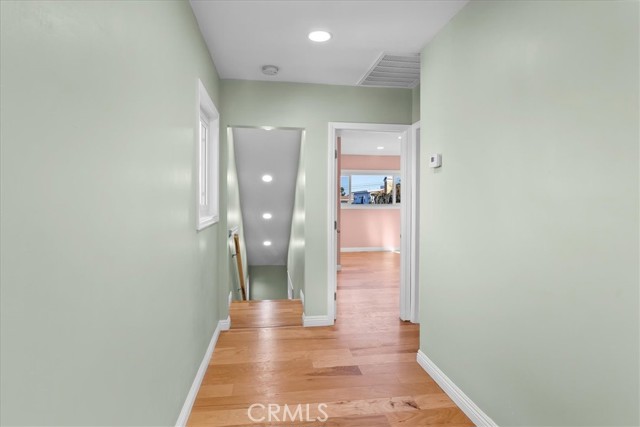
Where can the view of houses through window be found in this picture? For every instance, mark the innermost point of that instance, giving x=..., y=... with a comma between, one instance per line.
x=370, y=188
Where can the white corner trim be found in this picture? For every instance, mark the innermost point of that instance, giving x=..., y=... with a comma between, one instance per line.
x=310, y=321
x=467, y=406
x=290, y=285
x=223, y=325
x=369, y=249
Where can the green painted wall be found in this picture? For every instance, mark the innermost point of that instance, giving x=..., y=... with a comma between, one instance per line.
x=108, y=294
x=529, y=231
x=312, y=107
x=234, y=219
x=268, y=282
x=296, y=251
x=415, y=104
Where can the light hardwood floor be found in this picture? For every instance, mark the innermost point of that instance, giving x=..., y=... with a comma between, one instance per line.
x=265, y=314
x=364, y=368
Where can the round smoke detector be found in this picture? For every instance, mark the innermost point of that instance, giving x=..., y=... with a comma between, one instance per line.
x=270, y=70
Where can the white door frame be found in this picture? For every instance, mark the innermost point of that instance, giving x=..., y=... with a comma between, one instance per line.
x=408, y=293
x=414, y=161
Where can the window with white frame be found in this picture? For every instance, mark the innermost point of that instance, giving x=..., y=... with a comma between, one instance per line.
x=370, y=188
x=208, y=166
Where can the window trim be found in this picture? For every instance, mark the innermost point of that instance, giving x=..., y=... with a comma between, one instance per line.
x=208, y=214
x=350, y=172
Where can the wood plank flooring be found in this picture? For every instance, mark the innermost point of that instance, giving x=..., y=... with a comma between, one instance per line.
x=363, y=369
x=265, y=314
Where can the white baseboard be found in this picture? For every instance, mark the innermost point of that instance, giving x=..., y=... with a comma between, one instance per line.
x=223, y=325
x=369, y=249
x=310, y=321
x=289, y=285
x=479, y=418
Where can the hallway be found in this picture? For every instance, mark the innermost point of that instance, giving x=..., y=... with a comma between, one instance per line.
x=364, y=369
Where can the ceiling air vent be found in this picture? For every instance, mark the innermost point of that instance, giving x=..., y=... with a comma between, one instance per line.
x=394, y=71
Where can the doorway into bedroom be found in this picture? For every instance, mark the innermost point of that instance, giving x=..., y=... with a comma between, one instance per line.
x=369, y=215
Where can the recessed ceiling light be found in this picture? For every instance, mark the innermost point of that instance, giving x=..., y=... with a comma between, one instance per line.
x=319, y=36
x=266, y=215
x=267, y=178
x=267, y=243
x=267, y=127
x=400, y=137
x=380, y=148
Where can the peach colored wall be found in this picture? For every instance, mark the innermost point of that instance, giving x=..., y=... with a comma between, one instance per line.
x=374, y=227
x=370, y=228
x=351, y=162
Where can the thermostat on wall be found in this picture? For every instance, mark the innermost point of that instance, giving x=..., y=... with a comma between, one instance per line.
x=435, y=160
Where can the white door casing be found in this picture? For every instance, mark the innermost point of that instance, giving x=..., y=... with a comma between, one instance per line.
x=414, y=156
x=408, y=240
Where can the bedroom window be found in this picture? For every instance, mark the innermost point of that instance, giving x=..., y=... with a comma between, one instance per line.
x=370, y=188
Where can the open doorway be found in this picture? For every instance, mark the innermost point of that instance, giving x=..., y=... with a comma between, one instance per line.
x=263, y=174
x=368, y=240
x=372, y=238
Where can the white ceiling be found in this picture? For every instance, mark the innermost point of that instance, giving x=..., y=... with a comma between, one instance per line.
x=275, y=152
x=242, y=36
x=366, y=143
